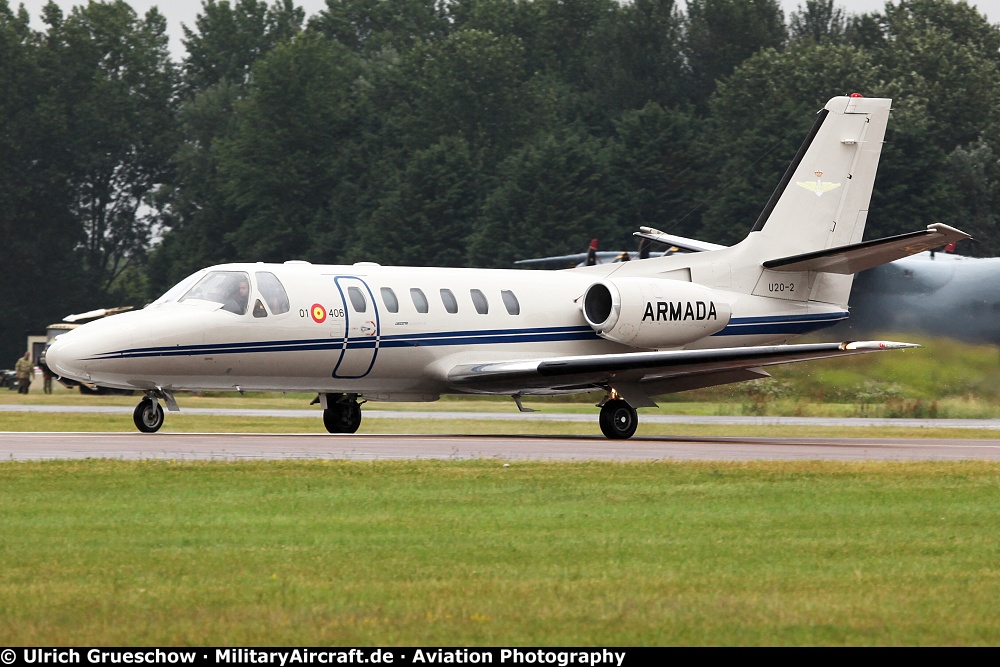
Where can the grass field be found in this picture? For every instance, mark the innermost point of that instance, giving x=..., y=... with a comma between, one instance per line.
x=108, y=553
x=467, y=553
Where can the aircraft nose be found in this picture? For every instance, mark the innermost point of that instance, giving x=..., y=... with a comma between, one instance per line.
x=63, y=358
x=73, y=353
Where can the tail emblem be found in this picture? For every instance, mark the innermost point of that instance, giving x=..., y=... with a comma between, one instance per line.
x=817, y=186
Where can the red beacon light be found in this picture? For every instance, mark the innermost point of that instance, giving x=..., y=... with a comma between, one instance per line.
x=856, y=95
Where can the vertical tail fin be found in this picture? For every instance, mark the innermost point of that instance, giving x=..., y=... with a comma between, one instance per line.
x=822, y=200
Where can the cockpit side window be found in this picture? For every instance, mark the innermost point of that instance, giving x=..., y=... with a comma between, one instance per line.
x=273, y=292
x=230, y=288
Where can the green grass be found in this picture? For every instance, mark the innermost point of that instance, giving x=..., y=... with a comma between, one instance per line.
x=464, y=553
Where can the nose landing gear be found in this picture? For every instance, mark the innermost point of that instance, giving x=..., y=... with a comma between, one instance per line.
x=148, y=415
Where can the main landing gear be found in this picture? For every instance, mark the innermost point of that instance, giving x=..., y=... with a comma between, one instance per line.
x=341, y=413
x=618, y=419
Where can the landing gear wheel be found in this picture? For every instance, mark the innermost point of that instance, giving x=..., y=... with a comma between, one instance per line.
x=148, y=416
x=618, y=419
x=342, y=417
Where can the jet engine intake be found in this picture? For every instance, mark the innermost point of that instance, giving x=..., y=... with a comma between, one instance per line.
x=654, y=313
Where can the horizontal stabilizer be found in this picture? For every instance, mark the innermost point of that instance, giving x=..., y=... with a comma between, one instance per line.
x=856, y=257
x=682, y=242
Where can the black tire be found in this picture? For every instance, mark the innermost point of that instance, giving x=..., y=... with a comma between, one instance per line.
x=342, y=418
x=618, y=419
x=148, y=416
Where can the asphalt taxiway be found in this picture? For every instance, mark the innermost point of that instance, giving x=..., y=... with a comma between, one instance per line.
x=231, y=447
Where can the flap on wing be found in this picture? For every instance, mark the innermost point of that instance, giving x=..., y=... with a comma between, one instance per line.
x=661, y=368
x=869, y=254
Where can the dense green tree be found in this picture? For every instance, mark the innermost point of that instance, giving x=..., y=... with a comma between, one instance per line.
x=470, y=85
x=819, y=20
x=39, y=233
x=370, y=26
x=721, y=34
x=229, y=38
x=198, y=220
x=974, y=172
x=286, y=162
x=638, y=58
x=551, y=197
x=654, y=168
x=111, y=76
x=426, y=219
x=946, y=55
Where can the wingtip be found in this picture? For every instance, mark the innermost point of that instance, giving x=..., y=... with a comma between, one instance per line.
x=877, y=345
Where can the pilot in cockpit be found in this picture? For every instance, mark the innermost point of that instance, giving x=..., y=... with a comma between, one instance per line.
x=238, y=296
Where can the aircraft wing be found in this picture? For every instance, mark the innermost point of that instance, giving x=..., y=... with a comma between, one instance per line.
x=869, y=254
x=645, y=374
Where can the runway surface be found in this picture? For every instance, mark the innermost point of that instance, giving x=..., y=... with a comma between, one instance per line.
x=191, y=447
x=591, y=417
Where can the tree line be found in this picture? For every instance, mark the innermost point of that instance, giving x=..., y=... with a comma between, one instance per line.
x=454, y=132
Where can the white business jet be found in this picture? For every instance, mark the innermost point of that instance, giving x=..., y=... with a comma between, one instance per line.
x=633, y=330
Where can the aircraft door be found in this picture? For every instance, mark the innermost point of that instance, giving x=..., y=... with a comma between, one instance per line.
x=361, y=328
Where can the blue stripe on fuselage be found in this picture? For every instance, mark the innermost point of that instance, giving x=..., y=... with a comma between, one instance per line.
x=745, y=326
x=780, y=324
x=483, y=337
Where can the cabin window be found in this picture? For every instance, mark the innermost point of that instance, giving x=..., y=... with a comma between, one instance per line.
x=479, y=301
x=510, y=302
x=259, y=310
x=357, y=299
x=449, y=301
x=273, y=292
x=230, y=288
x=419, y=300
x=390, y=300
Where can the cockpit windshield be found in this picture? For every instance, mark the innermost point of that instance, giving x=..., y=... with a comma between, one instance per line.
x=179, y=289
x=230, y=288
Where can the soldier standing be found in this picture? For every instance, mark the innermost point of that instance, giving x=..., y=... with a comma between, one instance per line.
x=24, y=370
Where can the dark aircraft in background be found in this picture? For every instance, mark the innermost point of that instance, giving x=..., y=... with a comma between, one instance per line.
x=931, y=293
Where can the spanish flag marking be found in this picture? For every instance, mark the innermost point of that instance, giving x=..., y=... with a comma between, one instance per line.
x=318, y=313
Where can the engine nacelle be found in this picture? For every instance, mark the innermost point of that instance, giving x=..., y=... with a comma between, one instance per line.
x=654, y=313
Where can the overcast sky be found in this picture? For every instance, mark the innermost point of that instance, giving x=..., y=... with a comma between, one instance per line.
x=184, y=11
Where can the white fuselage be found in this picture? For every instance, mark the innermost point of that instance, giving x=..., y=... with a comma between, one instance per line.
x=330, y=342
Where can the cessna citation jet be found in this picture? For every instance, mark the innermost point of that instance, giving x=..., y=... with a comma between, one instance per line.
x=633, y=330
